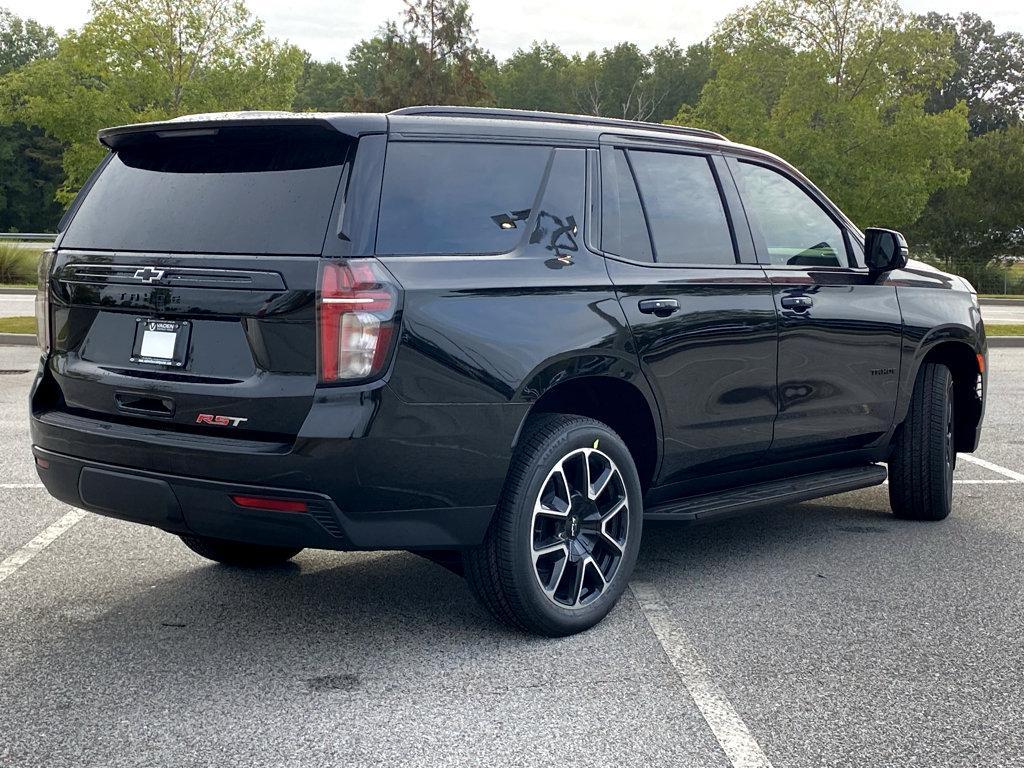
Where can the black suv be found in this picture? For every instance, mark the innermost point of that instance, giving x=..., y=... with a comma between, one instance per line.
x=500, y=339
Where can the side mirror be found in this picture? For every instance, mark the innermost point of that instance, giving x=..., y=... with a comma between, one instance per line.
x=885, y=250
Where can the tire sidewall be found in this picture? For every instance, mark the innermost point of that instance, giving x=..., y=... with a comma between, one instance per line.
x=564, y=620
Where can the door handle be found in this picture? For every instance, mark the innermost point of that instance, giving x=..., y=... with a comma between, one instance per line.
x=798, y=303
x=660, y=307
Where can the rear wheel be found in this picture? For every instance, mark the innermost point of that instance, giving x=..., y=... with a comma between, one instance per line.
x=924, y=453
x=240, y=554
x=564, y=539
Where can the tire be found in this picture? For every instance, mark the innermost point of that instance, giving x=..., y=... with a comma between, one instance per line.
x=560, y=569
x=924, y=452
x=240, y=554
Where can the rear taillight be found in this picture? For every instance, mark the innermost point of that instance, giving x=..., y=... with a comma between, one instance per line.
x=43, y=300
x=357, y=314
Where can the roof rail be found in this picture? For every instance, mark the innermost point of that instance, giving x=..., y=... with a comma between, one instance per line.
x=553, y=117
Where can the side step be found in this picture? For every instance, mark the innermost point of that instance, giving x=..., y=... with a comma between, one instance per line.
x=782, y=492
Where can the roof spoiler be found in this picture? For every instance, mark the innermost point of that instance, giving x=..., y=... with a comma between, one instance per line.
x=355, y=125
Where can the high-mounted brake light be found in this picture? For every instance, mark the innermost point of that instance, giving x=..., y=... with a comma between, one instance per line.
x=357, y=311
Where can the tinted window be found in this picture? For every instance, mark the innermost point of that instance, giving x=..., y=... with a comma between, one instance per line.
x=623, y=228
x=684, y=208
x=249, y=190
x=796, y=230
x=446, y=198
x=557, y=229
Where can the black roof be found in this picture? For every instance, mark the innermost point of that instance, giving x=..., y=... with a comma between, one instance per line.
x=450, y=120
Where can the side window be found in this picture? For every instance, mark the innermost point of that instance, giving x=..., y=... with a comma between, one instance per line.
x=557, y=229
x=623, y=229
x=684, y=208
x=457, y=198
x=796, y=230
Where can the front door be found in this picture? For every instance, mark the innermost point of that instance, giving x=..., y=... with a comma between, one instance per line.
x=840, y=331
x=703, y=320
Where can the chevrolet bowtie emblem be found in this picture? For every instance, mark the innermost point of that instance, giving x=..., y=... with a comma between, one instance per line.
x=148, y=274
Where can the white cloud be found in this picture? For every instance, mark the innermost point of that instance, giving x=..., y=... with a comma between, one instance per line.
x=329, y=28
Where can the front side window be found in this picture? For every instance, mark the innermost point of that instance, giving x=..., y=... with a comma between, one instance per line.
x=684, y=208
x=457, y=198
x=795, y=229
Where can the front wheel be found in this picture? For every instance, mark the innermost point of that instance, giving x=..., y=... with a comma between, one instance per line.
x=564, y=539
x=924, y=453
x=240, y=554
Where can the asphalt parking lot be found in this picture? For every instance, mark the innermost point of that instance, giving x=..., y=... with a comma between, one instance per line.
x=821, y=633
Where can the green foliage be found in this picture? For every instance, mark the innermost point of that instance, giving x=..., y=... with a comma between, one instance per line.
x=323, y=87
x=975, y=226
x=434, y=58
x=139, y=60
x=17, y=264
x=18, y=325
x=989, y=72
x=536, y=78
x=30, y=160
x=837, y=87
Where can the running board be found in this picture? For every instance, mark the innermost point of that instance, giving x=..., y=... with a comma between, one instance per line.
x=782, y=492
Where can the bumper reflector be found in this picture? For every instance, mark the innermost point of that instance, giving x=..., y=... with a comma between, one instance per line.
x=270, y=503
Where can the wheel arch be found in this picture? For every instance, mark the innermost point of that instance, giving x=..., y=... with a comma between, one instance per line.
x=963, y=354
x=611, y=392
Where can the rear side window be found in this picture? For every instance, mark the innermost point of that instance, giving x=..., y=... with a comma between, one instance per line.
x=684, y=208
x=457, y=198
x=623, y=228
x=266, y=190
x=795, y=229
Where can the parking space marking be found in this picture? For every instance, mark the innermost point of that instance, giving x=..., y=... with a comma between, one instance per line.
x=28, y=551
x=21, y=485
x=729, y=729
x=1019, y=477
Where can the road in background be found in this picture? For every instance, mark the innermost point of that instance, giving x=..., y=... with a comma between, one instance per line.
x=826, y=632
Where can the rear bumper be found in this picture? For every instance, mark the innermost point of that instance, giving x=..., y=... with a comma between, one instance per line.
x=187, y=505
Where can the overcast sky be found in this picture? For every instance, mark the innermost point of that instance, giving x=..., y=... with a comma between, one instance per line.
x=329, y=28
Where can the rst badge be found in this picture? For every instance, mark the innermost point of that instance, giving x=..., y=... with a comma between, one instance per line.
x=219, y=420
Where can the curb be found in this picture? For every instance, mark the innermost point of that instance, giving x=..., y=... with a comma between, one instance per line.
x=19, y=291
x=18, y=339
x=1005, y=302
x=1005, y=341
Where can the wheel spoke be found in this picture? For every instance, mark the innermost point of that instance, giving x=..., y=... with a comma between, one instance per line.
x=617, y=508
x=611, y=542
x=540, y=552
x=602, y=482
x=577, y=585
x=556, y=576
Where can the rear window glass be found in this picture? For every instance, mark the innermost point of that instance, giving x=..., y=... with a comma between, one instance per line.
x=457, y=198
x=244, y=190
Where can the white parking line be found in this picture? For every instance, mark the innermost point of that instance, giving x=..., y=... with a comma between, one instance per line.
x=28, y=551
x=729, y=729
x=1019, y=477
x=21, y=485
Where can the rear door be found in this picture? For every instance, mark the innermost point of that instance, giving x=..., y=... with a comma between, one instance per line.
x=839, y=330
x=184, y=286
x=699, y=306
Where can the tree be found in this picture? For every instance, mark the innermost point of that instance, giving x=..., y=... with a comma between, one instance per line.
x=680, y=75
x=838, y=88
x=323, y=86
x=138, y=60
x=30, y=160
x=989, y=72
x=969, y=226
x=537, y=78
x=433, y=58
